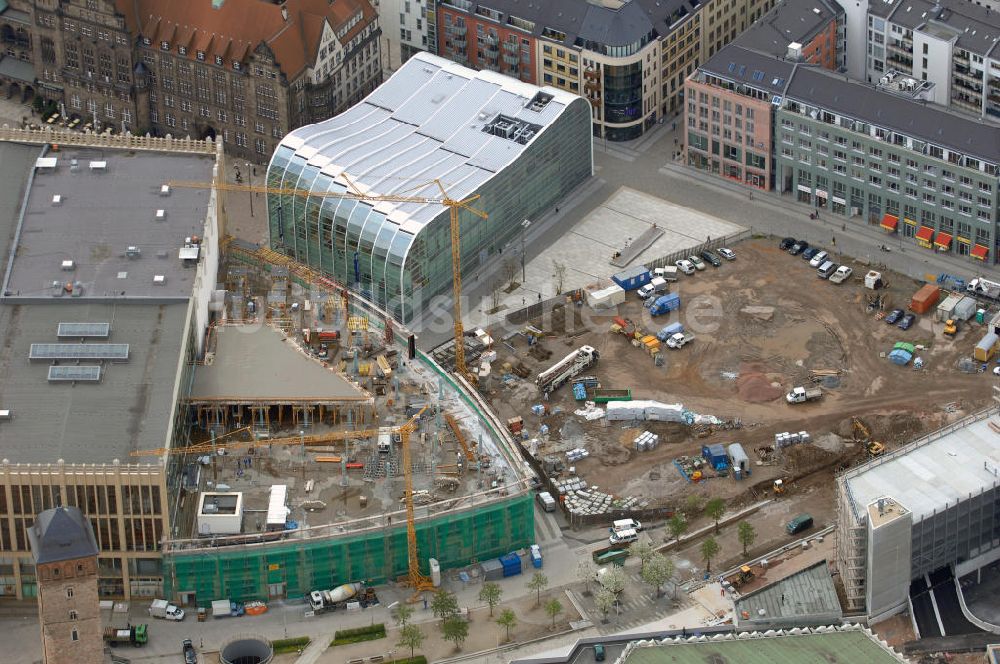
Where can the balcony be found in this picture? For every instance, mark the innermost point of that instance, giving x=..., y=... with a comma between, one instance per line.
x=894, y=47
x=511, y=60
x=456, y=30
x=592, y=74
x=902, y=62
x=512, y=47
x=460, y=42
x=965, y=104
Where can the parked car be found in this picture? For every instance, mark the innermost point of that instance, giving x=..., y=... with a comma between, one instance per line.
x=711, y=258
x=842, y=274
x=894, y=316
x=698, y=263
x=787, y=243
x=906, y=322
x=818, y=258
x=798, y=247
x=728, y=254
x=809, y=253
x=599, y=652
x=685, y=266
x=798, y=524
x=190, y=654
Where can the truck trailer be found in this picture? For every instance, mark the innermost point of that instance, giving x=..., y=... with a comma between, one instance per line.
x=122, y=636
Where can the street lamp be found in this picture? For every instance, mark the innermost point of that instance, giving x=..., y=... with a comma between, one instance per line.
x=524, y=230
x=250, y=183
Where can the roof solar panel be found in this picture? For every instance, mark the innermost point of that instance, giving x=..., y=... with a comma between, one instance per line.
x=81, y=372
x=93, y=330
x=78, y=352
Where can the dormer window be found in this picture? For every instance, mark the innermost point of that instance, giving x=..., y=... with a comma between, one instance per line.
x=182, y=50
x=200, y=55
x=236, y=65
x=146, y=41
x=165, y=45
x=218, y=60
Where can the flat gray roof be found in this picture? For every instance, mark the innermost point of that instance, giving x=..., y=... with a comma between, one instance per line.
x=933, y=472
x=818, y=87
x=805, y=598
x=258, y=363
x=742, y=65
x=789, y=21
x=101, y=214
x=130, y=408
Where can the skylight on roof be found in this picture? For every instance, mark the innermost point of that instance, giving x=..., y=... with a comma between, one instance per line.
x=758, y=75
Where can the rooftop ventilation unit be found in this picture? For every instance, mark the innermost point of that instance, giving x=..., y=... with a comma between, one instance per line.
x=83, y=330
x=161, y=215
x=67, y=351
x=68, y=266
x=57, y=200
x=165, y=190
x=539, y=101
x=159, y=280
x=82, y=373
x=133, y=252
x=98, y=166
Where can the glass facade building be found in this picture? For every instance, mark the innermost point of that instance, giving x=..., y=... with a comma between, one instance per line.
x=519, y=147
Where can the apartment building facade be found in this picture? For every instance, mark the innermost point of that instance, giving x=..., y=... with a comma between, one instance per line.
x=629, y=58
x=408, y=27
x=925, y=175
x=728, y=115
x=731, y=98
x=951, y=44
x=243, y=72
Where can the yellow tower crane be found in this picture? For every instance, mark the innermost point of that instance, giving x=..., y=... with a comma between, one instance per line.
x=416, y=580
x=358, y=194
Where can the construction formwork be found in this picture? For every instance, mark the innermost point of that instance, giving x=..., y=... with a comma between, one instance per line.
x=293, y=567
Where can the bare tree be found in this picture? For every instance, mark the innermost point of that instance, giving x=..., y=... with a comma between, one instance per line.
x=510, y=272
x=559, y=274
x=495, y=290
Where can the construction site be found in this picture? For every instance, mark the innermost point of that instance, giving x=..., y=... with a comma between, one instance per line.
x=311, y=417
x=793, y=369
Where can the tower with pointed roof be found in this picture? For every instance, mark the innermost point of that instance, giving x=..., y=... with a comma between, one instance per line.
x=65, y=553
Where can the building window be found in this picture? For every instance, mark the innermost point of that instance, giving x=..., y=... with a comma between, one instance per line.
x=127, y=118
x=74, y=635
x=241, y=139
x=260, y=146
x=69, y=592
x=258, y=126
x=72, y=615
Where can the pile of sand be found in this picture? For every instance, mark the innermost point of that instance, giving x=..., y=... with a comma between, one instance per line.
x=757, y=388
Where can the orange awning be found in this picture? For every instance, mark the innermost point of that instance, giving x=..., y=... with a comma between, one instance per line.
x=889, y=222
x=980, y=252
x=925, y=234
x=943, y=240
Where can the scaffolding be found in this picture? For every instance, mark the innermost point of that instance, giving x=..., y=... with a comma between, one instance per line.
x=297, y=566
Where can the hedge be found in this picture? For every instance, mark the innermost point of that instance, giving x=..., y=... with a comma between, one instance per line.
x=419, y=659
x=282, y=646
x=367, y=633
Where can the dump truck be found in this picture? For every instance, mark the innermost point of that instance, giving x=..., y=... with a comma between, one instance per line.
x=803, y=394
x=122, y=636
x=984, y=288
x=161, y=608
x=328, y=600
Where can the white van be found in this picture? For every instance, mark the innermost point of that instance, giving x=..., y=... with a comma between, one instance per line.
x=626, y=524
x=657, y=285
x=826, y=269
x=623, y=537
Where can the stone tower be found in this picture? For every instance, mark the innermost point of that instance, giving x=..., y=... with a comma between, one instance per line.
x=65, y=552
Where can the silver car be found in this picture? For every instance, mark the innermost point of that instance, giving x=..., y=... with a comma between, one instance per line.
x=728, y=254
x=685, y=266
x=698, y=263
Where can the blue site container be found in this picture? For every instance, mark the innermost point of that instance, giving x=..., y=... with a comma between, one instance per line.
x=716, y=456
x=579, y=391
x=511, y=564
x=632, y=278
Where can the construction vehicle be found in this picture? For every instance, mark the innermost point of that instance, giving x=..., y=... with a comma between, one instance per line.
x=222, y=448
x=803, y=394
x=984, y=288
x=863, y=436
x=570, y=366
x=950, y=327
x=354, y=192
x=679, y=340
x=743, y=576
x=779, y=487
x=321, y=601
x=131, y=635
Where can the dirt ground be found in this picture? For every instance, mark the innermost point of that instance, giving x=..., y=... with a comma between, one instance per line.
x=739, y=367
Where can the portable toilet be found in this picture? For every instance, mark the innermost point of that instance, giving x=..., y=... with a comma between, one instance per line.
x=739, y=460
x=536, y=556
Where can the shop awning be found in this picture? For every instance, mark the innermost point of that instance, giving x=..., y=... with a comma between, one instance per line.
x=889, y=222
x=980, y=252
x=942, y=240
x=925, y=234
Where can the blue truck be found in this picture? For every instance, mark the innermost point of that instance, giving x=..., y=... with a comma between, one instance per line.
x=669, y=331
x=665, y=304
x=632, y=278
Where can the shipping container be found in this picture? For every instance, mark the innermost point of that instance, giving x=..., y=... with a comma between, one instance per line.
x=965, y=309
x=946, y=309
x=511, y=564
x=739, y=458
x=632, y=278
x=492, y=570
x=716, y=456
x=925, y=298
x=987, y=347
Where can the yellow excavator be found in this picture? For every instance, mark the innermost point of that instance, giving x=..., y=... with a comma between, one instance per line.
x=864, y=436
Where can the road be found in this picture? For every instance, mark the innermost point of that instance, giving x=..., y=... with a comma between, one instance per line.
x=646, y=165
